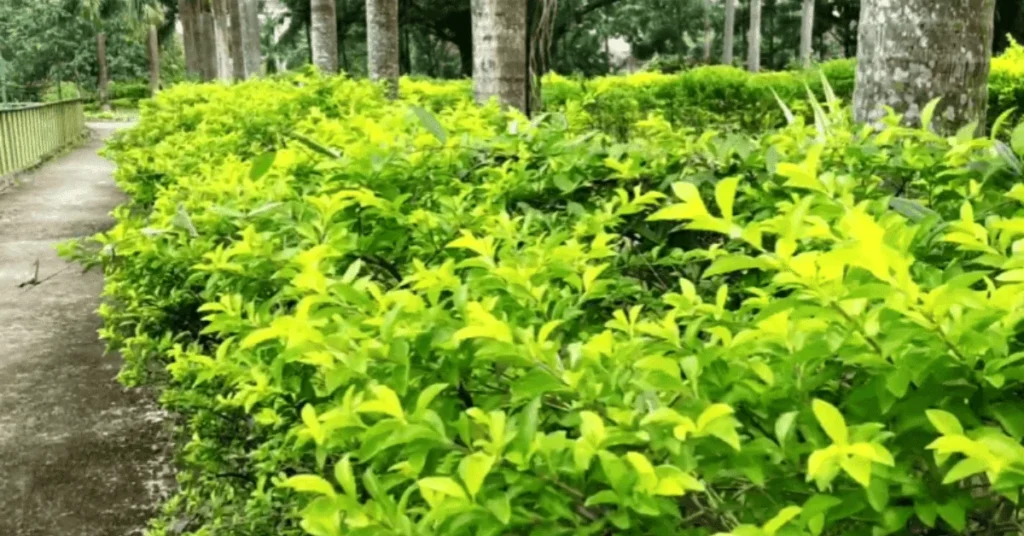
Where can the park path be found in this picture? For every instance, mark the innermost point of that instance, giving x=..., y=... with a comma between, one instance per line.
x=79, y=454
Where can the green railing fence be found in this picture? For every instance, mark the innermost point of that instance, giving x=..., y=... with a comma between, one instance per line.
x=31, y=132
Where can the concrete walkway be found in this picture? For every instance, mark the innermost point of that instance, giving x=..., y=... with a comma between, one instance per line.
x=79, y=454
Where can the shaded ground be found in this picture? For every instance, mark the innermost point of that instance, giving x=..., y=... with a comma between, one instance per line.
x=79, y=454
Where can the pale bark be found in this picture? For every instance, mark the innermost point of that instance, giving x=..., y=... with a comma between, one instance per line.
x=754, y=37
x=222, y=39
x=187, y=15
x=104, y=77
x=728, y=35
x=251, y=37
x=499, y=52
x=912, y=51
x=154, y=60
x=382, y=43
x=206, y=44
x=806, y=33
x=236, y=42
x=324, y=35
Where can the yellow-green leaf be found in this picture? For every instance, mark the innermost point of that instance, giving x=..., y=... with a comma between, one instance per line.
x=945, y=422
x=784, y=516
x=474, y=469
x=725, y=196
x=310, y=484
x=831, y=421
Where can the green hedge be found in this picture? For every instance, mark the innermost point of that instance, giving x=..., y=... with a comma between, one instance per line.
x=376, y=320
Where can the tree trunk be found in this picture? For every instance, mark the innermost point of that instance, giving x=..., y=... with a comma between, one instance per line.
x=499, y=52
x=754, y=37
x=806, y=33
x=236, y=42
x=382, y=42
x=707, y=32
x=101, y=59
x=251, y=38
x=323, y=35
x=206, y=44
x=154, y=61
x=187, y=16
x=730, y=31
x=222, y=39
x=912, y=51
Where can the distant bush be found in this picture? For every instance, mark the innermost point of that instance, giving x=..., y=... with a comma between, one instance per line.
x=61, y=91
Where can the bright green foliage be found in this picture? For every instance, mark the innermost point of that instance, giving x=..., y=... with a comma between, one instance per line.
x=375, y=319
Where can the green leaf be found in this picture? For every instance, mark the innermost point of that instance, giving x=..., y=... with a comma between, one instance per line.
x=997, y=126
x=858, y=468
x=501, y=507
x=965, y=468
x=831, y=421
x=878, y=494
x=261, y=165
x=592, y=428
x=725, y=196
x=345, y=477
x=443, y=485
x=387, y=402
x=732, y=263
x=1011, y=416
x=1017, y=139
x=954, y=514
x=309, y=484
x=430, y=123
x=428, y=395
x=784, y=424
x=928, y=113
x=474, y=469
x=943, y=421
x=784, y=516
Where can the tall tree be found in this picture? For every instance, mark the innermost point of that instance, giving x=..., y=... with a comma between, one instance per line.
x=251, y=38
x=324, y=35
x=806, y=33
x=382, y=43
x=499, y=52
x=237, y=39
x=188, y=16
x=153, y=17
x=912, y=51
x=754, y=37
x=206, y=42
x=708, y=32
x=222, y=39
x=728, y=36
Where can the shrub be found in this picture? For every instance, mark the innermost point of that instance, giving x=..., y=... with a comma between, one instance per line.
x=378, y=320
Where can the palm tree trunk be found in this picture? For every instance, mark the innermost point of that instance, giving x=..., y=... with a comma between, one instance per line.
x=236, y=39
x=187, y=16
x=101, y=59
x=806, y=33
x=499, y=52
x=728, y=36
x=382, y=43
x=323, y=35
x=251, y=37
x=754, y=37
x=154, y=61
x=913, y=51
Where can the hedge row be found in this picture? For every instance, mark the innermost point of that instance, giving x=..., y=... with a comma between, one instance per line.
x=377, y=320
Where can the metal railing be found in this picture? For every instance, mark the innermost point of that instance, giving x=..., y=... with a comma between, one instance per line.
x=31, y=132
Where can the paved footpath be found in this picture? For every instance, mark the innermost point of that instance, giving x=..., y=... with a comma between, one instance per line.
x=79, y=454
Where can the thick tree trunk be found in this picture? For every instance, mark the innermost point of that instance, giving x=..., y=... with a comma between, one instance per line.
x=324, y=35
x=154, y=60
x=382, y=43
x=806, y=33
x=912, y=51
x=728, y=36
x=754, y=37
x=206, y=44
x=499, y=52
x=707, y=32
x=251, y=37
x=187, y=15
x=101, y=59
x=236, y=42
x=222, y=39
